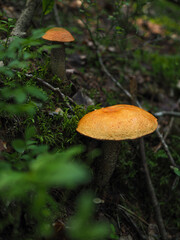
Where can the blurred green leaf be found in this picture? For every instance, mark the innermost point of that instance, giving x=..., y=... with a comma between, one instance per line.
x=3, y=29
x=35, y=92
x=47, y=6
x=6, y=71
x=82, y=225
x=47, y=170
x=19, y=95
x=17, y=64
x=59, y=168
x=19, y=145
x=19, y=108
x=37, y=34
x=177, y=171
x=30, y=132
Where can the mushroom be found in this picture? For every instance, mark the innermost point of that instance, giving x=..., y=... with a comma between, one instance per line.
x=112, y=124
x=58, y=36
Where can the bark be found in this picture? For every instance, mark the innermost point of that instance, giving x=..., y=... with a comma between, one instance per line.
x=25, y=18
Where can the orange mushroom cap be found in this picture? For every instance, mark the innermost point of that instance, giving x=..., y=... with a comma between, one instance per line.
x=58, y=34
x=118, y=122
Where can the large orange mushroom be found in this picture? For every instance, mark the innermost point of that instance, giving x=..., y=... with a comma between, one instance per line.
x=112, y=124
x=58, y=36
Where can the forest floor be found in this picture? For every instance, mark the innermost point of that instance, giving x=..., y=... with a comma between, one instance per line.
x=121, y=55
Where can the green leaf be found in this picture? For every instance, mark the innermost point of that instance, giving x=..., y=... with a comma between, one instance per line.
x=5, y=70
x=19, y=145
x=82, y=224
x=3, y=29
x=177, y=171
x=37, y=34
x=20, y=108
x=47, y=6
x=30, y=132
x=59, y=169
x=17, y=64
x=33, y=91
x=19, y=95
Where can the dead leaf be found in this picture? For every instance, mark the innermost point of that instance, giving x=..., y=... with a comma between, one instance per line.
x=3, y=146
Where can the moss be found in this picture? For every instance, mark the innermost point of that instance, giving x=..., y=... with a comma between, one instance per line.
x=164, y=68
x=166, y=8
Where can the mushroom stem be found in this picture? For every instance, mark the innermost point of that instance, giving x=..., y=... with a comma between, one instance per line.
x=111, y=151
x=58, y=61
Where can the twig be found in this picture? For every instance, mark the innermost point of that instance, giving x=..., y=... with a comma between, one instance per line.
x=171, y=113
x=152, y=193
x=121, y=207
x=111, y=77
x=131, y=221
x=169, y=128
x=63, y=97
x=166, y=148
x=166, y=134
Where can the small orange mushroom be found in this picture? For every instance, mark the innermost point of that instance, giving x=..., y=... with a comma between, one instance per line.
x=58, y=36
x=112, y=124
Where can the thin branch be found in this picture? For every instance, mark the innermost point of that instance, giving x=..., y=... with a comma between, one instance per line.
x=152, y=193
x=128, y=218
x=166, y=133
x=121, y=207
x=166, y=148
x=171, y=113
x=63, y=97
x=110, y=75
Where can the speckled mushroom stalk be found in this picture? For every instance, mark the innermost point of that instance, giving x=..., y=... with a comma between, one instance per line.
x=111, y=150
x=58, y=61
x=110, y=125
x=58, y=36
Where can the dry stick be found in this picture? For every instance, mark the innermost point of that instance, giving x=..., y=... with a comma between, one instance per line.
x=111, y=77
x=132, y=213
x=63, y=97
x=171, y=113
x=128, y=218
x=166, y=134
x=166, y=148
x=170, y=125
x=159, y=146
x=152, y=193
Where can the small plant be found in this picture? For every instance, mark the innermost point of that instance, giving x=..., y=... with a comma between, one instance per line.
x=83, y=226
